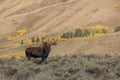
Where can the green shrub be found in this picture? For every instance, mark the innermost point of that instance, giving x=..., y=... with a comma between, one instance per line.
x=95, y=10
x=22, y=42
x=67, y=35
x=71, y=35
x=64, y=35
x=96, y=70
x=104, y=31
x=10, y=71
x=37, y=39
x=33, y=39
x=78, y=33
x=117, y=29
x=86, y=33
x=64, y=0
x=2, y=61
x=118, y=6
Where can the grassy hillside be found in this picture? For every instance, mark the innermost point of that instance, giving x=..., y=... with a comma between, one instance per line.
x=108, y=44
x=55, y=16
x=22, y=20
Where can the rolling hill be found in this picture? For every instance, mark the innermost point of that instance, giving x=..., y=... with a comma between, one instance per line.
x=56, y=16
x=53, y=17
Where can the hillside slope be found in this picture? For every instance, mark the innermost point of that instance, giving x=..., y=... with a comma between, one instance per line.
x=55, y=16
x=97, y=45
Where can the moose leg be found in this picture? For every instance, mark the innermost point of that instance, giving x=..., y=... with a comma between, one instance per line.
x=28, y=54
x=28, y=57
x=43, y=59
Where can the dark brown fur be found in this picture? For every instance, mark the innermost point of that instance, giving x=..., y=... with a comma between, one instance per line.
x=38, y=52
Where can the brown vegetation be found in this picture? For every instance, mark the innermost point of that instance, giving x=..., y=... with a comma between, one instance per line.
x=69, y=67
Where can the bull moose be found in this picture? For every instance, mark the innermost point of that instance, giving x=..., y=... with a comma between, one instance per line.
x=38, y=52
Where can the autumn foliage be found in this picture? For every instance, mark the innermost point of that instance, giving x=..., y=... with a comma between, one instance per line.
x=18, y=35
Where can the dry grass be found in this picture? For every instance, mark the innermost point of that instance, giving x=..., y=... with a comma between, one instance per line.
x=69, y=67
x=54, y=16
x=16, y=55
